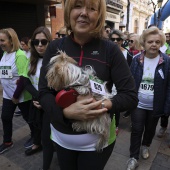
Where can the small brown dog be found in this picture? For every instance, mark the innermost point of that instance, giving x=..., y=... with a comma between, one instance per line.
x=63, y=73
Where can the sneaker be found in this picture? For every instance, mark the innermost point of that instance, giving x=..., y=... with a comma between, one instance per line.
x=145, y=152
x=132, y=164
x=29, y=143
x=31, y=151
x=161, y=132
x=18, y=113
x=5, y=146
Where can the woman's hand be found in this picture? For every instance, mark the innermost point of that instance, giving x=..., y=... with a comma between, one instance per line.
x=37, y=104
x=15, y=101
x=107, y=102
x=84, y=109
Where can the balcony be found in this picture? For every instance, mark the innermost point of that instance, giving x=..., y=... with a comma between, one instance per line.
x=116, y=4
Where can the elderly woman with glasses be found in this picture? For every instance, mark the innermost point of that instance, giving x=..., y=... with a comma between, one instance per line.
x=134, y=45
x=117, y=37
x=150, y=70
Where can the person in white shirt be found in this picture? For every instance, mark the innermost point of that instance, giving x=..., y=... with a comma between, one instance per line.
x=150, y=70
x=26, y=46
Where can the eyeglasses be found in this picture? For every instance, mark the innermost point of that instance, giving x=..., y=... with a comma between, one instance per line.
x=36, y=42
x=117, y=39
x=62, y=35
x=130, y=41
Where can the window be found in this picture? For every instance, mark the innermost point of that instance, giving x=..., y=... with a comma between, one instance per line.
x=136, y=26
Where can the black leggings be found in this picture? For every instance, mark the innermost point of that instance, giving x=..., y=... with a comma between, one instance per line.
x=8, y=108
x=83, y=160
x=48, y=148
x=164, y=121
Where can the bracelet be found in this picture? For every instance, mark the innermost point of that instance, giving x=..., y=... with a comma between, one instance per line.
x=102, y=105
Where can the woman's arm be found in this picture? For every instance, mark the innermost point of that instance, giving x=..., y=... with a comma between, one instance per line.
x=24, y=83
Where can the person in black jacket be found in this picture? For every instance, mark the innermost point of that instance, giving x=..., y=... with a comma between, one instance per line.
x=151, y=73
x=76, y=150
x=117, y=37
x=39, y=43
x=41, y=121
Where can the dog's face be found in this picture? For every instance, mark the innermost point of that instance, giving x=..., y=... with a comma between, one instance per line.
x=63, y=71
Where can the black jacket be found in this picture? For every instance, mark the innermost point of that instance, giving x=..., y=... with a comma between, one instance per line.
x=109, y=64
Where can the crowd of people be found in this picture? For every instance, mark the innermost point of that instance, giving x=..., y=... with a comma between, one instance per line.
x=135, y=67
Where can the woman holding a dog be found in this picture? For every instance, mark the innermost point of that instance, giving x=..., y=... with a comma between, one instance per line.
x=84, y=20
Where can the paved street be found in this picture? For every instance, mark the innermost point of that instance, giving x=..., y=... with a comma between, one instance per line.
x=15, y=158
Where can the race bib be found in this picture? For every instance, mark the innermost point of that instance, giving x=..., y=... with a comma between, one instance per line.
x=97, y=85
x=5, y=72
x=148, y=88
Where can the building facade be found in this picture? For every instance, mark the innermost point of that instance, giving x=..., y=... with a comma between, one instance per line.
x=26, y=15
x=139, y=13
x=114, y=8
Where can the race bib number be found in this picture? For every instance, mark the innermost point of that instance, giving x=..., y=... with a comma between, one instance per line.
x=5, y=72
x=147, y=87
x=97, y=86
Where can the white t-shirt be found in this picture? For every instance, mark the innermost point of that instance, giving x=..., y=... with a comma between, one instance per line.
x=35, y=78
x=80, y=142
x=125, y=53
x=28, y=54
x=9, y=75
x=146, y=89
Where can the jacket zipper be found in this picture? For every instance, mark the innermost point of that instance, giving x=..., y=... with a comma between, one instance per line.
x=81, y=56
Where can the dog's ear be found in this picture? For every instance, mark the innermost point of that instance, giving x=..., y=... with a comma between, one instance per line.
x=59, y=71
x=62, y=57
x=55, y=77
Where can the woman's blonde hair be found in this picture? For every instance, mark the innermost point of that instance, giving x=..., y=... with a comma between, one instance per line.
x=97, y=32
x=13, y=38
x=152, y=31
x=136, y=41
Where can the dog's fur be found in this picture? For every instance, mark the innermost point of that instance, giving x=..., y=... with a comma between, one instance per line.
x=63, y=72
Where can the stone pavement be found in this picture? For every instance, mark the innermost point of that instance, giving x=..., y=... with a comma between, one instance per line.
x=15, y=158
